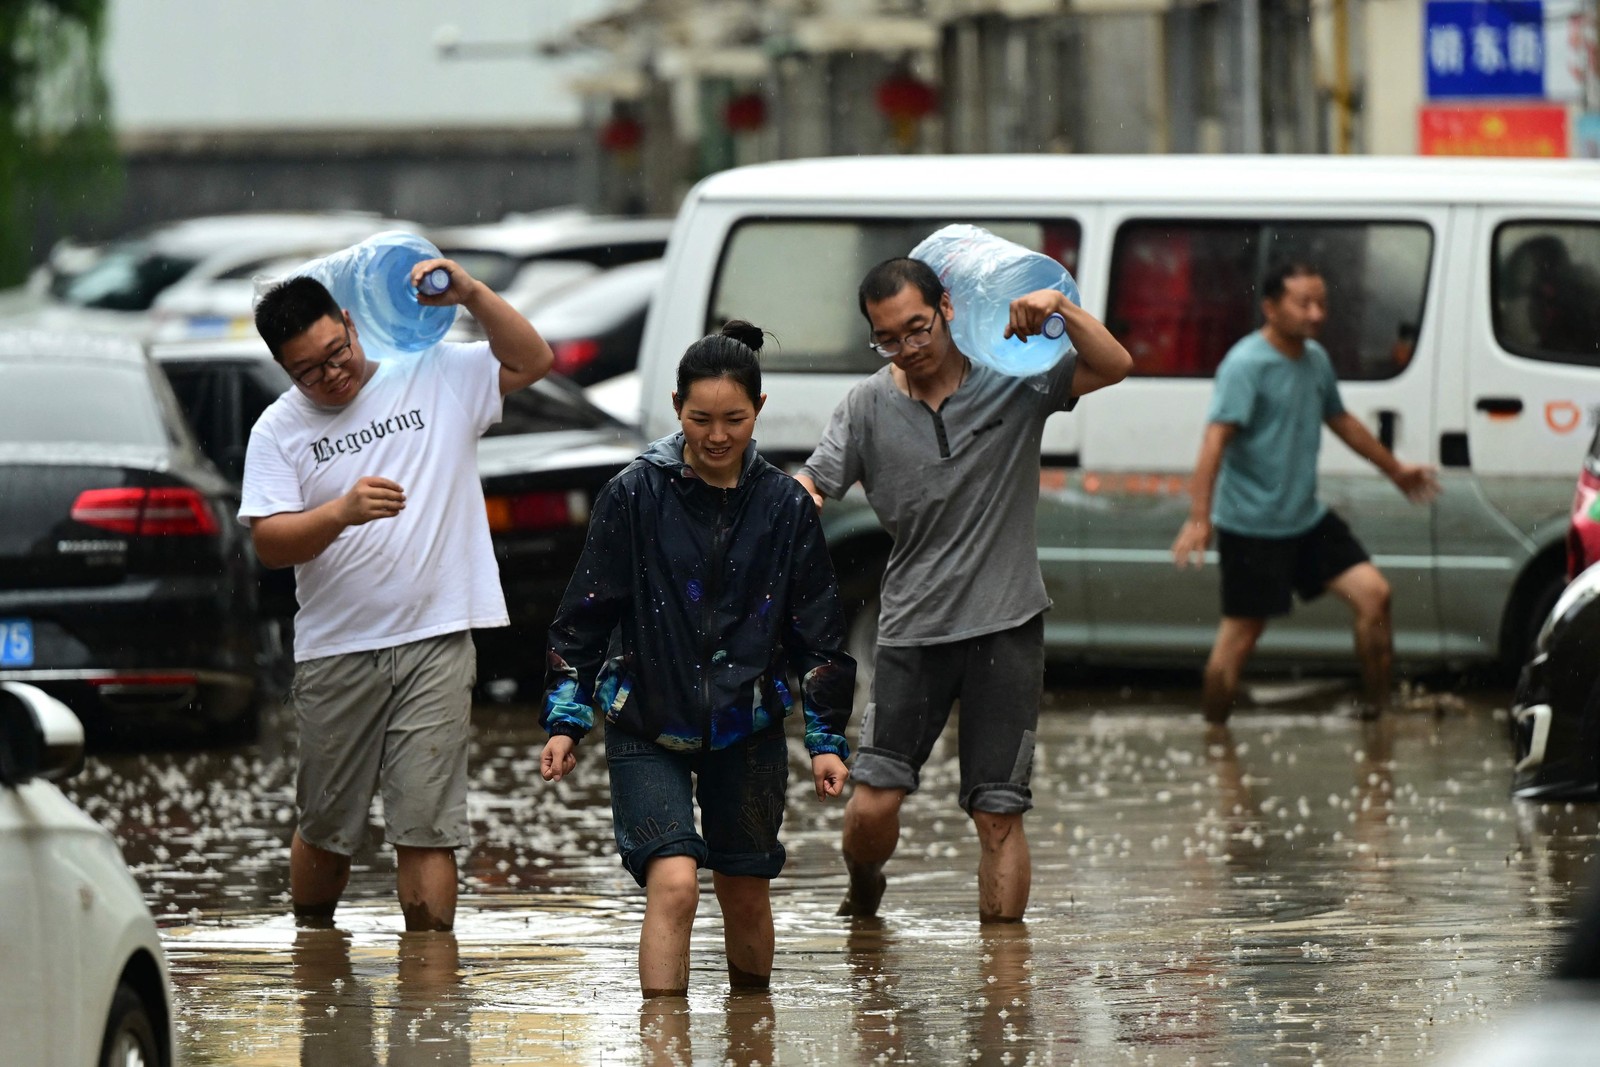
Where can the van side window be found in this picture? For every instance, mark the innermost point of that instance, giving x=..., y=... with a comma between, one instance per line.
x=798, y=279
x=1183, y=291
x=1546, y=290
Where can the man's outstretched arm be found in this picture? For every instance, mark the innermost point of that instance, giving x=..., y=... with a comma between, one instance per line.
x=1418, y=482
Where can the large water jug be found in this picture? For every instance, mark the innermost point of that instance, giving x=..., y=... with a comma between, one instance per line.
x=983, y=274
x=372, y=280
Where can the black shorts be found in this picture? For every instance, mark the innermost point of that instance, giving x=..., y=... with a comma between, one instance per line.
x=999, y=680
x=1260, y=574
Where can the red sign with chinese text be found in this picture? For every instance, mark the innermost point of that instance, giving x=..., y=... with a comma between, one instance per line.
x=1520, y=130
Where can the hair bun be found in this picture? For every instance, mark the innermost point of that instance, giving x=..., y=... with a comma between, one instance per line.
x=744, y=332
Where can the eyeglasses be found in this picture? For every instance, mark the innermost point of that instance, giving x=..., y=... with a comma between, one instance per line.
x=312, y=376
x=911, y=342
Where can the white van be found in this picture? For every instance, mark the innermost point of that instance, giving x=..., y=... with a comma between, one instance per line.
x=1464, y=321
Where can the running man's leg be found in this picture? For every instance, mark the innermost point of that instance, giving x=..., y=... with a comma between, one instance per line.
x=672, y=894
x=1236, y=639
x=1367, y=592
x=747, y=934
x=1330, y=558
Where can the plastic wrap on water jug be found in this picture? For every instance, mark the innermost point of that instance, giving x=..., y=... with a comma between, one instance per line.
x=983, y=274
x=372, y=280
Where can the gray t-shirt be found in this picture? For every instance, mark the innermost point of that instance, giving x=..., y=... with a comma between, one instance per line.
x=957, y=489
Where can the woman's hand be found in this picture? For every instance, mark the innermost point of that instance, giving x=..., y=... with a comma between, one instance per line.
x=829, y=773
x=558, y=759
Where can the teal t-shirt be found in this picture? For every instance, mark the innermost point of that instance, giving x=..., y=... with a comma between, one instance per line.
x=1268, y=484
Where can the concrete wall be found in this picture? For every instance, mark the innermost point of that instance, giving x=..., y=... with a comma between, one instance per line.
x=230, y=66
x=1392, y=43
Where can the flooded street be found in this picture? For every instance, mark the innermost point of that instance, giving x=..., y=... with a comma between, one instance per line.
x=1298, y=888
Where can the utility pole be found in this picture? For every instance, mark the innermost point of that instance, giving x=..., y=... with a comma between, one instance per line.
x=1343, y=103
x=1250, y=75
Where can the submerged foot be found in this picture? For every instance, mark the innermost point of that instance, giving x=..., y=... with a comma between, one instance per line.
x=1363, y=710
x=866, y=891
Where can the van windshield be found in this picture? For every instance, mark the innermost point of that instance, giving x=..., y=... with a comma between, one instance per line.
x=797, y=279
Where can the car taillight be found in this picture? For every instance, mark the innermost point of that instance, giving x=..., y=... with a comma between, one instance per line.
x=574, y=355
x=548, y=510
x=160, y=512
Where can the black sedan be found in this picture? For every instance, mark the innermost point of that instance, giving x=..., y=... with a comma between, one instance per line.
x=1555, y=717
x=125, y=587
x=595, y=326
x=541, y=467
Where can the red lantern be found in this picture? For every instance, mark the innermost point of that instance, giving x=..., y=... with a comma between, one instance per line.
x=622, y=133
x=903, y=97
x=745, y=113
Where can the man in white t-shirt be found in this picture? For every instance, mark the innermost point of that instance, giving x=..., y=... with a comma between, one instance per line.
x=363, y=477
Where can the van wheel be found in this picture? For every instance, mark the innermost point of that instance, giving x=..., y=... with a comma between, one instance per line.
x=130, y=1038
x=1535, y=608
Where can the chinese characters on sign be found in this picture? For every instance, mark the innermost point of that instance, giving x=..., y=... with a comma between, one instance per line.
x=1477, y=49
x=1510, y=130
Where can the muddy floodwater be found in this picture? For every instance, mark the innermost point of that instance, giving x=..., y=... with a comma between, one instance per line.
x=1298, y=888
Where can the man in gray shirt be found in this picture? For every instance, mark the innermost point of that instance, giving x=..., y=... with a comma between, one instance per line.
x=948, y=453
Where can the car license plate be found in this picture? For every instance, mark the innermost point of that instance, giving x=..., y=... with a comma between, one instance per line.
x=16, y=643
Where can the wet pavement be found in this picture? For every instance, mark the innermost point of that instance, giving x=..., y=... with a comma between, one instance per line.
x=1298, y=888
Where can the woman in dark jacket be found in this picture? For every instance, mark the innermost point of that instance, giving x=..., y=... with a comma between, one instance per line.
x=704, y=586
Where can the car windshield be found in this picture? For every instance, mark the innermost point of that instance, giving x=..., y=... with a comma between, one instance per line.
x=77, y=403
x=127, y=278
x=600, y=303
x=547, y=406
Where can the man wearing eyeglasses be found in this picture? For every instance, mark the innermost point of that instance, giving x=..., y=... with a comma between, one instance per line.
x=948, y=453
x=363, y=477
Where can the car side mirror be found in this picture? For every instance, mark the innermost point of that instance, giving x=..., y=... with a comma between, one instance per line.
x=40, y=737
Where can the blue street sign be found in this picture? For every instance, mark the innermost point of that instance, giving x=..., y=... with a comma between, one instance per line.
x=1484, y=49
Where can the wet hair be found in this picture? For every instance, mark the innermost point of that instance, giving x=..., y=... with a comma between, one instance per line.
x=290, y=308
x=893, y=275
x=1275, y=280
x=729, y=353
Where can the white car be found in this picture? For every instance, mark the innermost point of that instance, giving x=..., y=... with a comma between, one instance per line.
x=193, y=278
x=82, y=975
x=528, y=259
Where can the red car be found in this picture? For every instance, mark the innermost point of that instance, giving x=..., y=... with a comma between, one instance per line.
x=1583, y=535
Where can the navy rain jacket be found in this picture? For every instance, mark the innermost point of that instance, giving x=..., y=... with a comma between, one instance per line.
x=693, y=606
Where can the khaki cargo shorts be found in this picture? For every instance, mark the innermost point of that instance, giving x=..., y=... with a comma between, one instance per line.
x=398, y=719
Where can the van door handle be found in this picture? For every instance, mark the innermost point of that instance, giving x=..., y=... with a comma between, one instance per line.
x=1500, y=405
x=1386, y=425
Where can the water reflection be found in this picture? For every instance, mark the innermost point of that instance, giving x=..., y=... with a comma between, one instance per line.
x=1292, y=887
x=428, y=1019
x=335, y=1007
x=737, y=1028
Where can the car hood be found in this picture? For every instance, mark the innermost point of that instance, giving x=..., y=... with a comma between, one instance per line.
x=558, y=450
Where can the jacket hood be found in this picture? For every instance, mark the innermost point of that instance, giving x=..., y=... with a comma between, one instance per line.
x=667, y=453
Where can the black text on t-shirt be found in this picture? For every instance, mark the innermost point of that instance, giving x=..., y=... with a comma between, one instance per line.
x=326, y=448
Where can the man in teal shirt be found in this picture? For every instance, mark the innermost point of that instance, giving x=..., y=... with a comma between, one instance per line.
x=1275, y=390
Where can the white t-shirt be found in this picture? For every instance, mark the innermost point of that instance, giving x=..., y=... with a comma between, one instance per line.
x=427, y=571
